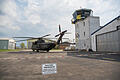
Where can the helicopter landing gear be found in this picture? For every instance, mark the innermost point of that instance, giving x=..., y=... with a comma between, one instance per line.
x=37, y=50
x=47, y=50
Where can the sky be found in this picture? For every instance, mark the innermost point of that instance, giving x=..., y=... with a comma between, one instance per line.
x=40, y=17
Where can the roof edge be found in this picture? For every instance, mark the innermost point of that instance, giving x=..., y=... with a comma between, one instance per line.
x=105, y=25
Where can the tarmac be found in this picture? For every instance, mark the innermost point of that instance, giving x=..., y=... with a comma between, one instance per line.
x=71, y=65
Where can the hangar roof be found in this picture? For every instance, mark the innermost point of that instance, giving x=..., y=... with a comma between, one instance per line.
x=10, y=39
x=105, y=25
x=5, y=38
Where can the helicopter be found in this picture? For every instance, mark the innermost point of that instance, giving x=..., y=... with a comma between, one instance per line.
x=40, y=44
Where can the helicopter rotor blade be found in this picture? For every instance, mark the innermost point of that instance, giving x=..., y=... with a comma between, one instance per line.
x=22, y=37
x=20, y=40
x=46, y=35
x=56, y=38
x=61, y=33
x=61, y=40
x=68, y=33
x=59, y=28
x=57, y=35
x=33, y=37
x=40, y=37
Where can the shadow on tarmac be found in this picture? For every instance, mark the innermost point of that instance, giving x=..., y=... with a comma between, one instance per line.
x=83, y=54
x=31, y=52
x=97, y=55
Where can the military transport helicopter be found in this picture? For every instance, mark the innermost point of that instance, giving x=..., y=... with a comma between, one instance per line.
x=40, y=44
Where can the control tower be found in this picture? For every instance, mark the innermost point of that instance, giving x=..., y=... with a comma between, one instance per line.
x=81, y=14
x=85, y=24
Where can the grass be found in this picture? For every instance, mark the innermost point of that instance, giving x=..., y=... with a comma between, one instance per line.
x=57, y=49
x=6, y=50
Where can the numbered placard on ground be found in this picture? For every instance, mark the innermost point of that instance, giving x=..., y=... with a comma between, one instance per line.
x=49, y=68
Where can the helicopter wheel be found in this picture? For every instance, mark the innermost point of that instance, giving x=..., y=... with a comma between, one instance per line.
x=47, y=50
x=33, y=50
x=37, y=50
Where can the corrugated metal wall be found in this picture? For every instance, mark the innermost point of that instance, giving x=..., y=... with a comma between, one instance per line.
x=29, y=45
x=109, y=41
x=11, y=45
x=3, y=44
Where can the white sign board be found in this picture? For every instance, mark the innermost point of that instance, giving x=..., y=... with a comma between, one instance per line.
x=49, y=68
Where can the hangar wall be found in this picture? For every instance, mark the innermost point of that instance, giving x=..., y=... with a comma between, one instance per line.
x=11, y=44
x=7, y=43
x=107, y=38
x=108, y=41
x=3, y=44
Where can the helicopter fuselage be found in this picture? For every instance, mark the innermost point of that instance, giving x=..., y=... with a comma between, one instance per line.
x=40, y=44
x=43, y=46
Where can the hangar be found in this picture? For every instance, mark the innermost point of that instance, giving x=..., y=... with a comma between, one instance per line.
x=89, y=35
x=7, y=43
x=107, y=38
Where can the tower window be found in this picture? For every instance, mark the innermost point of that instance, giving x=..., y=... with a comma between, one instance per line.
x=118, y=27
x=84, y=33
x=77, y=25
x=84, y=44
x=83, y=23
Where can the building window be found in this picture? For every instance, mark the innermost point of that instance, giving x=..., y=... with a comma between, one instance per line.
x=84, y=44
x=77, y=25
x=118, y=27
x=84, y=33
x=83, y=23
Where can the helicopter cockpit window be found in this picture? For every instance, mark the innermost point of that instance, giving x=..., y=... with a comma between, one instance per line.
x=35, y=42
x=41, y=41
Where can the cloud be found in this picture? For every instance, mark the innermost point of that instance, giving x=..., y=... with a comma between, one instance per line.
x=31, y=12
x=9, y=8
x=8, y=18
x=39, y=17
x=105, y=9
x=34, y=18
x=8, y=23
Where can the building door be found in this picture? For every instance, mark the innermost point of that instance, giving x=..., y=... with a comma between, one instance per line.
x=109, y=41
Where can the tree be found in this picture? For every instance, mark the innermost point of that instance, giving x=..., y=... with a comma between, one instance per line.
x=22, y=45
